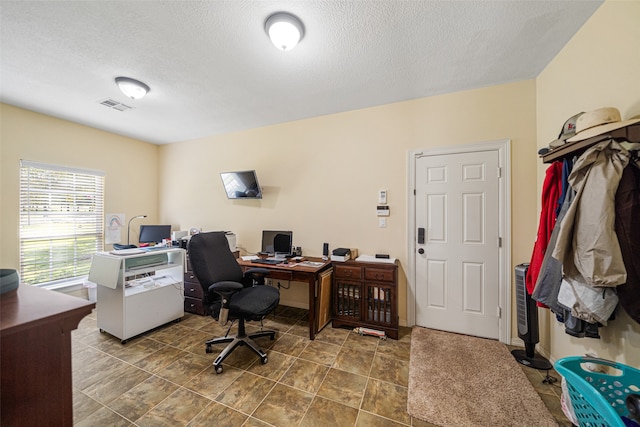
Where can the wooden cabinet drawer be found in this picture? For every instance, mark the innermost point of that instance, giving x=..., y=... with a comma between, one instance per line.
x=347, y=272
x=190, y=277
x=379, y=274
x=193, y=305
x=193, y=290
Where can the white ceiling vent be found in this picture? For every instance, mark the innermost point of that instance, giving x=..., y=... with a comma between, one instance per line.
x=116, y=105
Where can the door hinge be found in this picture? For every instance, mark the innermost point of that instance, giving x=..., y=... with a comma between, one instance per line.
x=499, y=172
x=499, y=242
x=499, y=312
x=414, y=191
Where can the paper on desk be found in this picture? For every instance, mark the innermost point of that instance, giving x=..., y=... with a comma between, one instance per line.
x=249, y=257
x=313, y=264
x=371, y=258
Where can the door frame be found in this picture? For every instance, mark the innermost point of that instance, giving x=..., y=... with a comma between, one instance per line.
x=503, y=148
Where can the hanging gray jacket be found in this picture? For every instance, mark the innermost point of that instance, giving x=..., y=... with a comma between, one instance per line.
x=587, y=244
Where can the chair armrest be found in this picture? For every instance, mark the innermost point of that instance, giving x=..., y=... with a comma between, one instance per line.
x=225, y=287
x=255, y=276
x=257, y=271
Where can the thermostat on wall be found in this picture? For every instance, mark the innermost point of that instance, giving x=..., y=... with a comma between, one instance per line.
x=383, y=211
x=382, y=197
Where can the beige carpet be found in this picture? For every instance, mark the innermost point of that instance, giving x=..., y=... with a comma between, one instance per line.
x=458, y=380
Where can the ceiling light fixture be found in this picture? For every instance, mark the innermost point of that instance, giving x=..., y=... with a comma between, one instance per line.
x=133, y=88
x=284, y=29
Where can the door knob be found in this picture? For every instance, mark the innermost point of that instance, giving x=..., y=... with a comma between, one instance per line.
x=420, y=251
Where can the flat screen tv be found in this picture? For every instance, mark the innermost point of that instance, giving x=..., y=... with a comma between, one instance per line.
x=154, y=233
x=241, y=185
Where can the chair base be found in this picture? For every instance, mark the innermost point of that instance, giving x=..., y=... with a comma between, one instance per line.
x=242, y=339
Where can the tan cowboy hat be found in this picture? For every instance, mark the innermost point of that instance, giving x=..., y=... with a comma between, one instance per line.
x=598, y=122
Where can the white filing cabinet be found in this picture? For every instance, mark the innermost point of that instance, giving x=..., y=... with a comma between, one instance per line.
x=138, y=291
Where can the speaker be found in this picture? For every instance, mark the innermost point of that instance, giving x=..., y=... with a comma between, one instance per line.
x=325, y=249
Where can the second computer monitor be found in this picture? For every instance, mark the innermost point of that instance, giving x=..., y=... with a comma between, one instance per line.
x=277, y=242
x=154, y=233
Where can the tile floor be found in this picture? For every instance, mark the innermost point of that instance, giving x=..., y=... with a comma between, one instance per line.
x=165, y=378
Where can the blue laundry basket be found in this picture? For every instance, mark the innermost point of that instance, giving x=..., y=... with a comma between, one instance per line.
x=598, y=399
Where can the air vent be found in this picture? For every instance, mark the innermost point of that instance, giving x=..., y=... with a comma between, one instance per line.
x=112, y=103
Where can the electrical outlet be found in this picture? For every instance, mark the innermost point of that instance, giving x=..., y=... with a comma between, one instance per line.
x=382, y=222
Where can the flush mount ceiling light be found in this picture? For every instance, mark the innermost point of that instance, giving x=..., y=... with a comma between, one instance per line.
x=133, y=88
x=284, y=29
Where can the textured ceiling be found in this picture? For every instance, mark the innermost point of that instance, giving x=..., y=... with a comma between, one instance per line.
x=212, y=69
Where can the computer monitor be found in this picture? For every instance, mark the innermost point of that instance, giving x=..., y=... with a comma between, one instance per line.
x=277, y=242
x=154, y=233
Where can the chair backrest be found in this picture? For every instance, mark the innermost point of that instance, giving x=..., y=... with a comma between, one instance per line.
x=211, y=259
x=282, y=243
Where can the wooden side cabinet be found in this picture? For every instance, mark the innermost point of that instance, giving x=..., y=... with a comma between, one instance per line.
x=365, y=294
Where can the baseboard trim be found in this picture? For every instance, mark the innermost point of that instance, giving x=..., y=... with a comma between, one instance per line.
x=296, y=304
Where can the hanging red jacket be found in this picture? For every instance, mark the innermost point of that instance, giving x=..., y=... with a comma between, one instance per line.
x=551, y=190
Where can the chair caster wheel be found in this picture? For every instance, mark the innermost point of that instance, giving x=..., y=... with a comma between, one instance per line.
x=264, y=360
x=209, y=349
x=218, y=369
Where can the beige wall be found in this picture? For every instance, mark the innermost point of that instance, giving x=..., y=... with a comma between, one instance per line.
x=321, y=176
x=131, y=167
x=599, y=67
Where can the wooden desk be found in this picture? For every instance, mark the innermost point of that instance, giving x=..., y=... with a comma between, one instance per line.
x=297, y=273
x=35, y=333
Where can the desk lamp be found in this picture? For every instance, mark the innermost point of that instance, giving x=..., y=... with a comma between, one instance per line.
x=129, y=226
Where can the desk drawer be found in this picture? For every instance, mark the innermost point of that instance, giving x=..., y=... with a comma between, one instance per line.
x=275, y=274
x=379, y=274
x=347, y=272
x=280, y=275
x=190, y=277
x=193, y=305
x=193, y=290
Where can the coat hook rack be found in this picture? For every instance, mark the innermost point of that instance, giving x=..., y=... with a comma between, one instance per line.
x=629, y=133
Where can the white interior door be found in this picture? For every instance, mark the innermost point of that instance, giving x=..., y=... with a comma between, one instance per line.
x=457, y=285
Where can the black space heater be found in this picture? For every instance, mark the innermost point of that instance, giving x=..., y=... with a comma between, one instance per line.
x=527, y=323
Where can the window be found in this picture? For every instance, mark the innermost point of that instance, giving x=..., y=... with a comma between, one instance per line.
x=61, y=221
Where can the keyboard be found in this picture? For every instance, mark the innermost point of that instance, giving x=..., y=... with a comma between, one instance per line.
x=268, y=261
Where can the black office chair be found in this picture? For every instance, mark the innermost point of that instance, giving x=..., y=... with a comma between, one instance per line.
x=231, y=294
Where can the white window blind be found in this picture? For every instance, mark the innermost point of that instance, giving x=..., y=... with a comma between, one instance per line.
x=61, y=221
